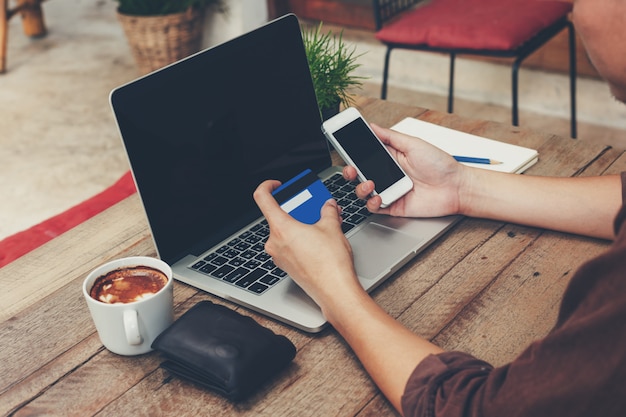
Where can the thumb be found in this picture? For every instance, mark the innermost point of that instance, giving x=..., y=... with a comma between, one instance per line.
x=391, y=138
x=330, y=211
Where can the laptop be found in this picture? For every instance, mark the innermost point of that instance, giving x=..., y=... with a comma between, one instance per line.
x=201, y=134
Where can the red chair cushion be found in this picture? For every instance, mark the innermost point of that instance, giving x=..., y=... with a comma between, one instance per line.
x=499, y=25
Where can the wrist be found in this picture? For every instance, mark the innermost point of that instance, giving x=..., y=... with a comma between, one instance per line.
x=468, y=191
x=484, y=193
x=341, y=307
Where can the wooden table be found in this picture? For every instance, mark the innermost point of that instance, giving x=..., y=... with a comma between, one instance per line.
x=486, y=287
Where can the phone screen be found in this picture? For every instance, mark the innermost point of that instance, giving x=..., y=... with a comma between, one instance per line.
x=369, y=155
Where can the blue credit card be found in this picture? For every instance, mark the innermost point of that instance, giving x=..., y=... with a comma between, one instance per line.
x=303, y=197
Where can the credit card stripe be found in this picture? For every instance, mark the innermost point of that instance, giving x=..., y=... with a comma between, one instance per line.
x=297, y=201
x=284, y=194
x=291, y=181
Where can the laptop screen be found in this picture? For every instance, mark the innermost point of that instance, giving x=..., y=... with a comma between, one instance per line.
x=203, y=133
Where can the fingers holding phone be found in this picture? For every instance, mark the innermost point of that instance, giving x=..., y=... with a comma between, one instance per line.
x=358, y=146
x=364, y=190
x=435, y=177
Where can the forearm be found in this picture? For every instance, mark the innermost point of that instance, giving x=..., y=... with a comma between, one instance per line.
x=388, y=351
x=585, y=205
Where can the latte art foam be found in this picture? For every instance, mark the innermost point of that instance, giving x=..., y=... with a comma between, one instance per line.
x=128, y=285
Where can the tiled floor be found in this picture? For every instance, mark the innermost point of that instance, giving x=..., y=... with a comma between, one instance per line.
x=58, y=141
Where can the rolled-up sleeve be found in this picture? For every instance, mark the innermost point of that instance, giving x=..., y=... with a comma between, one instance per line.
x=445, y=384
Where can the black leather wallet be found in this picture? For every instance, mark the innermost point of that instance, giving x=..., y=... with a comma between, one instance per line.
x=222, y=350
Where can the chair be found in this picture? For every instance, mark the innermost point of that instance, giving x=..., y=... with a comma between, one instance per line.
x=32, y=23
x=493, y=28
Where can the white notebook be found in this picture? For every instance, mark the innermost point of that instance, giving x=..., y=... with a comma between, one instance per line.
x=513, y=158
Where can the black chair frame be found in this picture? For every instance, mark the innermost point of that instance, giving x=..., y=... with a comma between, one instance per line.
x=386, y=10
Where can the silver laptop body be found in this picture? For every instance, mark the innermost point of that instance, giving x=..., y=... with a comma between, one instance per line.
x=202, y=133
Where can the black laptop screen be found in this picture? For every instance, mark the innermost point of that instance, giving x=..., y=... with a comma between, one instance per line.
x=203, y=133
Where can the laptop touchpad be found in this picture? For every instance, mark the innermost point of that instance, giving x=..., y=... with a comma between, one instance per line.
x=376, y=248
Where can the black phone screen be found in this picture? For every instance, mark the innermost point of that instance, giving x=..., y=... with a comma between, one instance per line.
x=369, y=155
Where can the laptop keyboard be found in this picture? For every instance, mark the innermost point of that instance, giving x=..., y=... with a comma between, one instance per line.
x=353, y=210
x=243, y=261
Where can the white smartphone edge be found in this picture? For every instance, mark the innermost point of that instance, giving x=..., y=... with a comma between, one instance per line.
x=391, y=193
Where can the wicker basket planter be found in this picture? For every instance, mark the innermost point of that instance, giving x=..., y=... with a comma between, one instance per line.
x=157, y=41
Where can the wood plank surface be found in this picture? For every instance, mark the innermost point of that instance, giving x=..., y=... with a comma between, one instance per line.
x=75, y=253
x=486, y=287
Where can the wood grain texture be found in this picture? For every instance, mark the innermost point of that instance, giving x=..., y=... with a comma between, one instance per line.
x=88, y=245
x=486, y=287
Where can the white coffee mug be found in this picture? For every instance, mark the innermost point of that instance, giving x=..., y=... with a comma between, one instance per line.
x=130, y=328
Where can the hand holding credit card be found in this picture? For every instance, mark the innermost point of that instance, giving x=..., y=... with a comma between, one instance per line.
x=303, y=197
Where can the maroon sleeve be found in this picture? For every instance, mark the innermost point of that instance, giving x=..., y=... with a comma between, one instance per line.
x=458, y=372
x=577, y=370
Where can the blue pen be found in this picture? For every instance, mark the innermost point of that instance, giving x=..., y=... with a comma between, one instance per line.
x=473, y=160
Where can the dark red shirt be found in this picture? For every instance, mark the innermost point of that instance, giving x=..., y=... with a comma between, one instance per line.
x=578, y=369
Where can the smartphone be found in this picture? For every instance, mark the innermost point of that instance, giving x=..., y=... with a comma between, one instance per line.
x=356, y=143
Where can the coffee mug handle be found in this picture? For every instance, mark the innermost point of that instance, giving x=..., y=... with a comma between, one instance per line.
x=131, y=327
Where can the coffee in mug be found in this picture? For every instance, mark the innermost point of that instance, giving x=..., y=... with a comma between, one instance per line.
x=131, y=301
x=129, y=284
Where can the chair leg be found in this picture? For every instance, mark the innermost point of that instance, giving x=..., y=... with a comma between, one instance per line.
x=32, y=18
x=572, y=79
x=383, y=93
x=451, y=84
x=514, y=91
x=4, y=28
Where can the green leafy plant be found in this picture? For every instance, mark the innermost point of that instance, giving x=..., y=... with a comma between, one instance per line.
x=332, y=64
x=163, y=7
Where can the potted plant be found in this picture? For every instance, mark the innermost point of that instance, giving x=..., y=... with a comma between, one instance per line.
x=332, y=64
x=160, y=32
